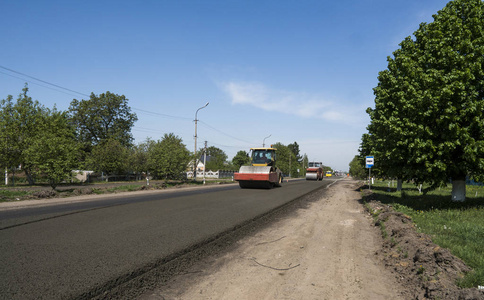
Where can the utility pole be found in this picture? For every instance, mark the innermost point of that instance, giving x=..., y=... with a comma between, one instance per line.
x=204, y=161
x=195, y=152
x=290, y=156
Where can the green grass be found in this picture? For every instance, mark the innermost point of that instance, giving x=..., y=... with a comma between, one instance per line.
x=124, y=188
x=457, y=226
x=6, y=195
x=12, y=193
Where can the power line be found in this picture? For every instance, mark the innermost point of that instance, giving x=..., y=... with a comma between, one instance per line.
x=136, y=109
x=160, y=114
x=79, y=93
x=43, y=81
x=226, y=134
x=226, y=146
x=26, y=80
x=143, y=129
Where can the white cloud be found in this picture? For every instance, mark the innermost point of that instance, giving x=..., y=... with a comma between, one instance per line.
x=260, y=96
x=338, y=125
x=300, y=104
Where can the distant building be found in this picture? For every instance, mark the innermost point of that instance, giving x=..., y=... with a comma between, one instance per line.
x=82, y=176
x=208, y=173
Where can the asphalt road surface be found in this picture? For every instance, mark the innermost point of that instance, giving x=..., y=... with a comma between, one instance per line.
x=80, y=250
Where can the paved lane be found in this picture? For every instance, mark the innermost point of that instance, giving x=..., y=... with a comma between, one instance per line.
x=35, y=212
x=75, y=250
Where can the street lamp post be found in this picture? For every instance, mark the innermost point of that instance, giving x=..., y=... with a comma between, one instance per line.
x=195, y=162
x=264, y=141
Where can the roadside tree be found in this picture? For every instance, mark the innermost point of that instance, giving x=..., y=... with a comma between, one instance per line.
x=9, y=153
x=240, y=159
x=138, y=158
x=305, y=164
x=101, y=118
x=393, y=126
x=217, y=160
x=294, y=147
x=53, y=153
x=429, y=105
x=286, y=160
x=229, y=166
x=168, y=158
x=110, y=157
x=20, y=123
x=357, y=168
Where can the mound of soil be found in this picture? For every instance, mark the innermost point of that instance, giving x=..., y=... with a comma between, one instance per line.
x=62, y=191
x=428, y=271
x=44, y=194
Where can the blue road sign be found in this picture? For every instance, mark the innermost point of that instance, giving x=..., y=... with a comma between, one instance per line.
x=370, y=161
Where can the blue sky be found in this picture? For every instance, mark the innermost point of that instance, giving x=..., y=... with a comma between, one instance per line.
x=296, y=70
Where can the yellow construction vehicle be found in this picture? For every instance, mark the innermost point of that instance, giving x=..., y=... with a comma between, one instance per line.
x=262, y=173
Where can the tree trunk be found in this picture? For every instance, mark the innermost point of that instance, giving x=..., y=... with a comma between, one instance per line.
x=30, y=179
x=459, y=190
x=53, y=184
x=399, y=184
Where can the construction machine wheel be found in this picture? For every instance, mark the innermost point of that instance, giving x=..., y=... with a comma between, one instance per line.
x=267, y=185
x=245, y=184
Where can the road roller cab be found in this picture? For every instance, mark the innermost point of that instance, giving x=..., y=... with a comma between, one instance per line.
x=263, y=156
x=263, y=172
x=314, y=171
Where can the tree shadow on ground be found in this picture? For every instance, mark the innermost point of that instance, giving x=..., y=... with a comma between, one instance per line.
x=423, y=202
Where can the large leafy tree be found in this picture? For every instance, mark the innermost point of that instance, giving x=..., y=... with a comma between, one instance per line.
x=20, y=124
x=103, y=117
x=286, y=160
x=53, y=153
x=110, y=157
x=217, y=160
x=428, y=122
x=393, y=126
x=240, y=159
x=305, y=164
x=294, y=147
x=357, y=168
x=37, y=139
x=138, y=159
x=168, y=158
x=9, y=152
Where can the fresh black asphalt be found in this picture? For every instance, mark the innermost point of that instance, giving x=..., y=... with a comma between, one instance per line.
x=83, y=250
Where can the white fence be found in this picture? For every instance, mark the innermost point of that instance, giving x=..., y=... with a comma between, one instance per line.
x=212, y=174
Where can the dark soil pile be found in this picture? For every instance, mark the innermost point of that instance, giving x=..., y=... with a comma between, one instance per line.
x=425, y=269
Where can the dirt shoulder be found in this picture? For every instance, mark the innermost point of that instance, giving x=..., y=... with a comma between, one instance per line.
x=326, y=251
x=425, y=269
